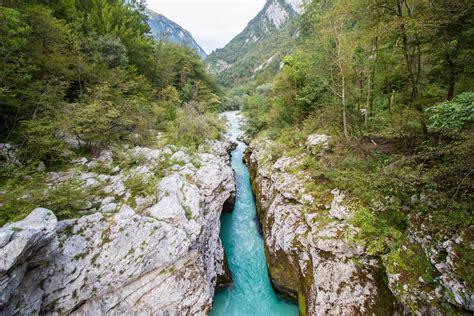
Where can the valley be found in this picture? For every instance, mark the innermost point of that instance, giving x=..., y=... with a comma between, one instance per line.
x=320, y=163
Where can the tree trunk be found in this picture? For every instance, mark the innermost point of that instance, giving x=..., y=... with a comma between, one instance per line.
x=359, y=100
x=344, y=110
x=391, y=99
x=371, y=81
x=343, y=80
x=80, y=79
x=451, y=67
x=412, y=73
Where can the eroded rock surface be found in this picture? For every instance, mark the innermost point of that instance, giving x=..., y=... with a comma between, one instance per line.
x=9, y=154
x=157, y=253
x=312, y=255
x=308, y=254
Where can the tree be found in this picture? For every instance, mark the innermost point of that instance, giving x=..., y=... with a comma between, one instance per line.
x=13, y=68
x=112, y=52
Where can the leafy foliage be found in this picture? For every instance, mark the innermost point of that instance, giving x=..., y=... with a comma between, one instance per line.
x=192, y=129
x=391, y=82
x=84, y=75
x=374, y=67
x=453, y=116
x=77, y=77
x=25, y=191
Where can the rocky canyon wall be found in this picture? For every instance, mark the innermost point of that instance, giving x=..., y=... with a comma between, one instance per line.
x=154, y=254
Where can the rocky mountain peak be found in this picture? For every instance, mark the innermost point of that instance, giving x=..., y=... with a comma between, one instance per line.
x=164, y=29
x=279, y=12
x=297, y=5
x=261, y=45
x=276, y=14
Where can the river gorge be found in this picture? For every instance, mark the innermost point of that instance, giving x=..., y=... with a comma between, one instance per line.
x=251, y=290
x=175, y=248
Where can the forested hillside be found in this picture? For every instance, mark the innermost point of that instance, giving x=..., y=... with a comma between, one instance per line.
x=260, y=47
x=377, y=59
x=80, y=76
x=391, y=84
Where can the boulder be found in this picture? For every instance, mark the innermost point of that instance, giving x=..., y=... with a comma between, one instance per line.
x=338, y=210
x=317, y=143
x=23, y=246
x=9, y=154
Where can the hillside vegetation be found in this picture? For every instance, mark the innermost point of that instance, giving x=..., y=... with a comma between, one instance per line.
x=80, y=76
x=259, y=48
x=392, y=83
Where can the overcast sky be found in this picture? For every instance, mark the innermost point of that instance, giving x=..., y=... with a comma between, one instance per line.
x=213, y=23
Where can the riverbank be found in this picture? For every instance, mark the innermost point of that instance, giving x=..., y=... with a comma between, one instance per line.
x=309, y=257
x=327, y=248
x=148, y=241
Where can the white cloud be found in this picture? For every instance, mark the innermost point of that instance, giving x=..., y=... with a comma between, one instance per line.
x=212, y=23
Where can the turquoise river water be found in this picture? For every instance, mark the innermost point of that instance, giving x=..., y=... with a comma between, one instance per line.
x=251, y=292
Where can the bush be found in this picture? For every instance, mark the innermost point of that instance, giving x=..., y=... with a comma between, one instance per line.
x=452, y=117
x=190, y=129
x=96, y=122
x=164, y=110
x=112, y=52
x=41, y=140
x=117, y=110
x=140, y=186
x=23, y=193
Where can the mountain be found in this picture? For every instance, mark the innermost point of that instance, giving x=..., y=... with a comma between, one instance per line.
x=260, y=46
x=163, y=28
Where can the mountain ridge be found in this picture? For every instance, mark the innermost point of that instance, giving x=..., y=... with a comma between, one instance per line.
x=266, y=39
x=164, y=29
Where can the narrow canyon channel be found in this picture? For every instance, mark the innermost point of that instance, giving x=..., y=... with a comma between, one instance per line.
x=251, y=292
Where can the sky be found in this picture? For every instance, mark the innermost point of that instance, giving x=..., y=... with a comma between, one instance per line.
x=213, y=23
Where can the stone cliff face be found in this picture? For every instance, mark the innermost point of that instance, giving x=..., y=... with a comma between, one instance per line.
x=312, y=256
x=309, y=258
x=161, y=254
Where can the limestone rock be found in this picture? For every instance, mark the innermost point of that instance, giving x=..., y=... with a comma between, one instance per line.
x=317, y=143
x=41, y=167
x=24, y=245
x=9, y=154
x=80, y=161
x=181, y=157
x=443, y=254
x=308, y=256
x=338, y=210
x=163, y=256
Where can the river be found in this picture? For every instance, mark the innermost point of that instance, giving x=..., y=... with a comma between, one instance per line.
x=251, y=292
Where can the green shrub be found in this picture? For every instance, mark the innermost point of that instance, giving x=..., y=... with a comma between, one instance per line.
x=140, y=186
x=453, y=116
x=21, y=194
x=42, y=142
x=191, y=128
x=111, y=50
x=126, y=160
